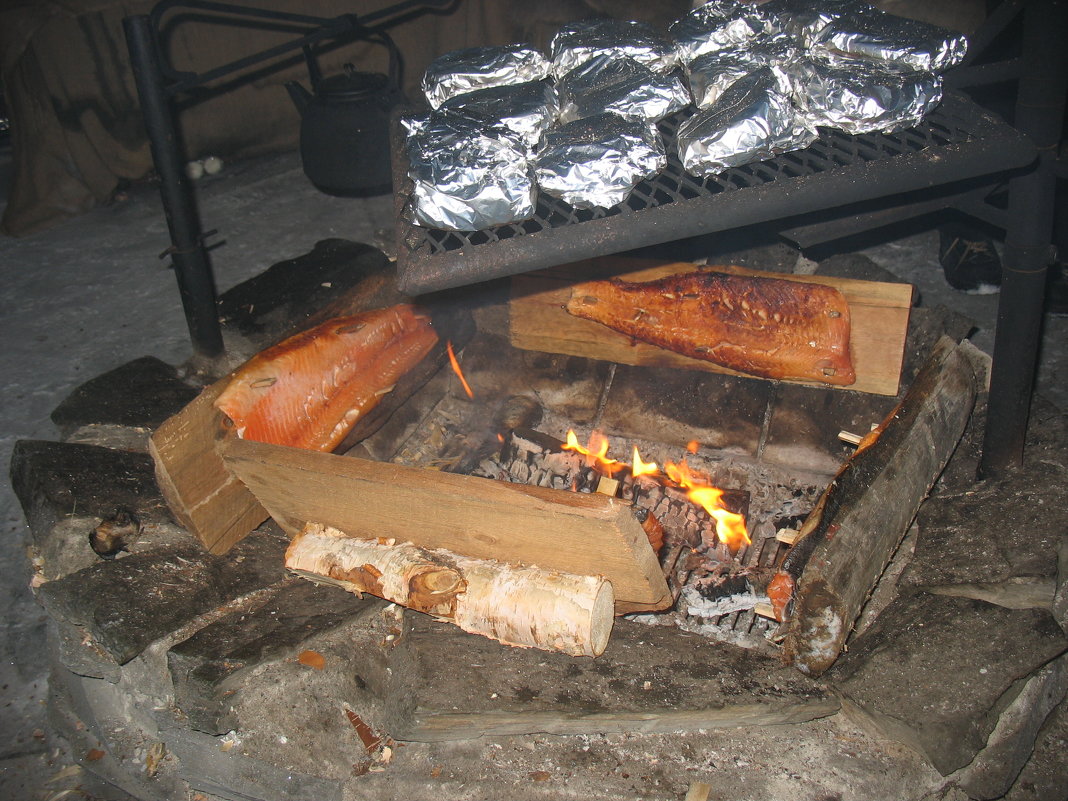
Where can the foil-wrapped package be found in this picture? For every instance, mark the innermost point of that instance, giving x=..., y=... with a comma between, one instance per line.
x=474, y=68
x=717, y=26
x=862, y=98
x=752, y=120
x=578, y=42
x=805, y=19
x=597, y=161
x=711, y=74
x=468, y=175
x=622, y=86
x=908, y=44
x=528, y=109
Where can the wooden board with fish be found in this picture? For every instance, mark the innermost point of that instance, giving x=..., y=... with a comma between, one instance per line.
x=556, y=311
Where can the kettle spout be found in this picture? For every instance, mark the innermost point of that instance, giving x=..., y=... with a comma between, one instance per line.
x=300, y=96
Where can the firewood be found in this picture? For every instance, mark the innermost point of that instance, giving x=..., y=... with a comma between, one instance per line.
x=573, y=532
x=608, y=486
x=859, y=521
x=523, y=606
x=652, y=528
x=787, y=536
x=765, y=610
x=850, y=437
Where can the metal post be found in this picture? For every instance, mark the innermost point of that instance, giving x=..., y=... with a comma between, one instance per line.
x=188, y=254
x=1039, y=113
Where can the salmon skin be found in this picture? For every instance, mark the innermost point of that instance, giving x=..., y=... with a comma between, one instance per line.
x=308, y=391
x=768, y=327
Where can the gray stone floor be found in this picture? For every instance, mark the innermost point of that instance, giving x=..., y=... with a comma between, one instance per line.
x=91, y=294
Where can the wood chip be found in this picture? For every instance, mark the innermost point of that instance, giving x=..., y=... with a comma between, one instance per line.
x=312, y=659
x=367, y=736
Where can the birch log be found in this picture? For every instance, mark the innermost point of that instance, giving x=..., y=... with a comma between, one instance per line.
x=516, y=605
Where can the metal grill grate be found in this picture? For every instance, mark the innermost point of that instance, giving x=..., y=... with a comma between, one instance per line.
x=956, y=142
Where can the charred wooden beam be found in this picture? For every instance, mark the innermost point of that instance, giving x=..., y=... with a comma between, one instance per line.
x=848, y=539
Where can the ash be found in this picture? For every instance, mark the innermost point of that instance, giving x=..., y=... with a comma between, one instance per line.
x=716, y=590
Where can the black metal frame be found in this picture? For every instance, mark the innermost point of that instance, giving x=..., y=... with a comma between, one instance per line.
x=158, y=83
x=957, y=142
x=952, y=160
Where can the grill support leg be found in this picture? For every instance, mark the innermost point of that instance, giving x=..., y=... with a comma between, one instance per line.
x=188, y=254
x=1039, y=112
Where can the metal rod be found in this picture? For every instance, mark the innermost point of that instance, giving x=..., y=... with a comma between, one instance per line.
x=991, y=28
x=1039, y=112
x=1009, y=70
x=337, y=28
x=188, y=254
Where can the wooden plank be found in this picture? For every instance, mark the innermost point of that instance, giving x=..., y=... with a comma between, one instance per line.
x=211, y=502
x=201, y=492
x=539, y=321
x=651, y=679
x=553, y=529
x=865, y=512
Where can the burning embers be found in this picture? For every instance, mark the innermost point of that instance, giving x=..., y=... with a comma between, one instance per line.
x=730, y=528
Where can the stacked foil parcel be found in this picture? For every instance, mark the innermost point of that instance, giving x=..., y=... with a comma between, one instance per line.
x=748, y=82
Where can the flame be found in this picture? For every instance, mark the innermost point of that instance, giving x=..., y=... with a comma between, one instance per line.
x=730, y=526
x=595, y=451
x=456, y=369
x=641, y=468
x=693, y=445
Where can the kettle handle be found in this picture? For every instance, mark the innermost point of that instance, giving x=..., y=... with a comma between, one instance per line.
x=315, y=75
x=395, y=61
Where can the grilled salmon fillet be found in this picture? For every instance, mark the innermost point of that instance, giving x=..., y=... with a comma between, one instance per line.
x=308, y=391
x=769, y=327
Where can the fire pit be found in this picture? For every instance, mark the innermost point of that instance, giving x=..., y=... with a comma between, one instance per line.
x=219, y=672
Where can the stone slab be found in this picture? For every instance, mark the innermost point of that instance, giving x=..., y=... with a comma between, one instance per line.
x=1059, y=606
x=67, y=489
x=1044, y=776
x=994, y=533
x=571, y=386
x=450, y=685
x=995, y=768
x=236, y=776
x=124, y=605
x=718, y=411
x=804, y=422
x=209, y=667
x=139, y=394
x=283, y=299
x=932, y=671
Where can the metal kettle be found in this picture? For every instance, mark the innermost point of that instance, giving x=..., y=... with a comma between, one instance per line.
x=344, y=125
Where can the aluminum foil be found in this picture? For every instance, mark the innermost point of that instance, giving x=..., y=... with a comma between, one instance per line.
x=621, y=86
x=805, y=19
x=864, y=98
x=476, y=68
x=528, y=109
x=578, y=42
x=717, y=26
x=907, y=44
x=712, y=74
x=751, y=121
x=468, y=175
x=596, y=162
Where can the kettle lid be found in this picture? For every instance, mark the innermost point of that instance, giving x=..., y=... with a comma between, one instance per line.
x=352, y=85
